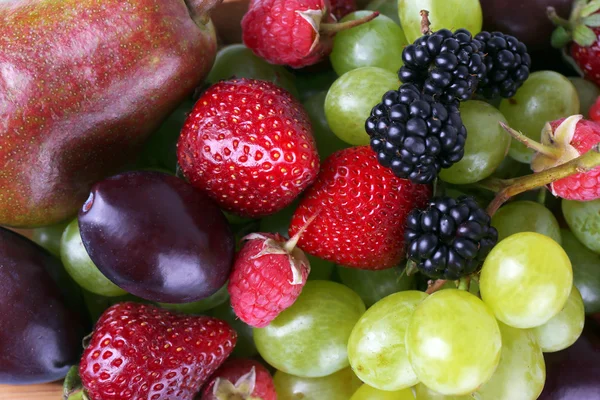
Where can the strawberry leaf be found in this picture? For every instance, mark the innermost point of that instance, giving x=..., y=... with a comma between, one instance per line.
x=583, y=35
x=560, y=37
x=72, y=387
x=592, y=21
x=591, y=8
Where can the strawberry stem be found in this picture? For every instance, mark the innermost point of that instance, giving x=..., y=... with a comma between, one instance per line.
x=425, y=22
x=513, y=187
x=530, y=143
x=291, y=244
x=332, y=29
x=557, y=20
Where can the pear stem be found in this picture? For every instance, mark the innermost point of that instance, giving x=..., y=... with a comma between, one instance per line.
x=556, y=20
x=332, y=29
x=200, y=9
x=425, y=23
x=530, y=143
x=435, y=286
x=513, y=187
x=291, y=244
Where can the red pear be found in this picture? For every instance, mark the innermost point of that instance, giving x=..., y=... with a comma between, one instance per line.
x=82, y=84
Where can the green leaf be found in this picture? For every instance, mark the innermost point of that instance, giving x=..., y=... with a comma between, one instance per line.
x=72, y=387
x=560, y=37
x=591, y=8
x=583, y=35
x=592, y=21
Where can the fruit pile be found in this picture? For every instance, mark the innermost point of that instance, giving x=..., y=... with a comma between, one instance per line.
x=388, y=203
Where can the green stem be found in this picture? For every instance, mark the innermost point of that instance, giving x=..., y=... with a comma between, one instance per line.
x=530, y=143
x=542, y=196
x=556, y=19
x=332, y=29
x=464, y=283
x=581, y=164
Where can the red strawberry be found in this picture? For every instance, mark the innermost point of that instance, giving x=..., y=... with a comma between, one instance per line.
x=594, y=111
x=583, y=29
x=341, y=8
x=292, y=32
x=267, y=277
x=139, y=351
x=562, y=141
x=249, y=145
x=240, y=379
x=363, y=209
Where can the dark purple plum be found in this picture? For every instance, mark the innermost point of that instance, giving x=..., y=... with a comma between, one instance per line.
x=40, y=338
x=574, y=373
x=157, y=237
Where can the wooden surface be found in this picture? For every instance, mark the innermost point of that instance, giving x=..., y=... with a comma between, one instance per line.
x=52, y=391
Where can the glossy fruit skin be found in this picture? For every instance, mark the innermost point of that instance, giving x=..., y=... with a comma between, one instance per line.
x=572, y=374
x=586, y=271
x=588, y=93
x=235, y=368
x=526, y=216
x=350, y=99
x=327, y=142
x=49, y=237
x=245, y=346
x=337, y=386
x=424, y=393
x=143, y=350
x=341, y=8
x=238, y=61
x=373, y=286
x=97, y=100
x=353, y=184
x=377, y=347
x=40, y=336
x=378, y=43
x=389, y=8
x=535, y=104
x=486, y=146
x=587, y=57
x=309, y=339
x=181, y=256
x=526, y=279
x=276, y=31
x=200, y=307
x=583, y=217
x=249, y=145
x=365, y=392
x=443, y=14
x=78, y=264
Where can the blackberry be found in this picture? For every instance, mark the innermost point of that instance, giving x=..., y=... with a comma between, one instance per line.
x=507, y=64
x=414, y=135
x=448, y=66
x=450, y=238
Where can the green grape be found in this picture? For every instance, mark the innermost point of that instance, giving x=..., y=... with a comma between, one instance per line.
x=49, y=237
x=200, y=306
x=311, y=82
x=586, y=271
x=449, y=14
x=587, y=91
x=238, y=61
x=244, y=347
x=453, y=342
x=79, y=265
x=486, y=146
x=544, y=97
x=526, y=279
x=378, y=43
x=327, y=141
x=338, y=386
x=97, y=304
x=564, y=328
x=424, y=393
x=521, y=373
x=583, y=217
x=366, y=392
x=373, y=286
x=511, y=168
x=389, y=8
x=160, y=151
x=352, y=96
x=310, y=338
x=376, y=348
x=526, y=216
x=279, y=223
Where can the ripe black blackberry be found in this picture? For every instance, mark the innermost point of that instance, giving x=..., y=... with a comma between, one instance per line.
x=448, y=66
x=450, y=238
x=414, y=135
x=507, y=64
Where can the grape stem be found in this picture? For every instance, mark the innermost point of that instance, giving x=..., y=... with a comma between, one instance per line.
x=425, y=23
x=464, y=283
x=436, y=285
x=512, y=187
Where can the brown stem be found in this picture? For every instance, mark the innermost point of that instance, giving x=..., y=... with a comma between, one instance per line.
x=435, y=286
x=425, y=23
x=200, y=9
x=583, y=163
x=332, y=29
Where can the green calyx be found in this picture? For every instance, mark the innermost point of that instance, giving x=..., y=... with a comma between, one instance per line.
x=578, y=27
x=72, y=387
x=224, y=389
